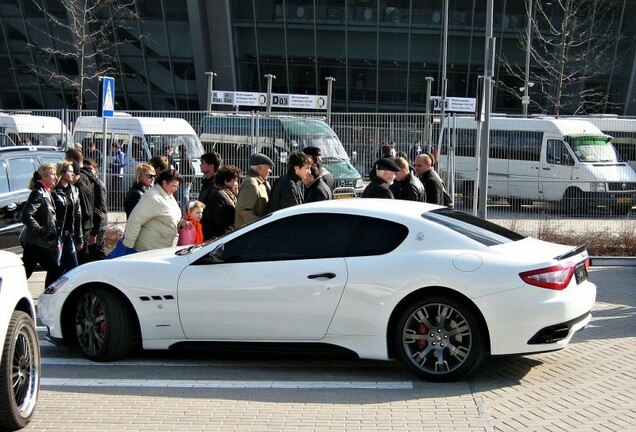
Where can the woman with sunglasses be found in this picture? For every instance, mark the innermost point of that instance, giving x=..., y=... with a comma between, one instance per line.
x=145, y=175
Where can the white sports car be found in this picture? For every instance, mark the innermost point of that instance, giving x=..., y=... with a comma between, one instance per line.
x=436, y=288
x=20, y=349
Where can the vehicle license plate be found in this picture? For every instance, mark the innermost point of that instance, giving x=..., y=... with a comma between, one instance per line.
x=624, y=200
x=580, y=273
x=342, y=196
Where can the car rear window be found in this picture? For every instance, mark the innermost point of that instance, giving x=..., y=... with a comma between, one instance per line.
x=482, y=231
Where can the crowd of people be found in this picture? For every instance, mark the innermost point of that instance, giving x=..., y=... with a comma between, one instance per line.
x=65, y=215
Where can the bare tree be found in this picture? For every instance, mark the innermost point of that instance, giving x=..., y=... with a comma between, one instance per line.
x=571, y=54
x=88, y=36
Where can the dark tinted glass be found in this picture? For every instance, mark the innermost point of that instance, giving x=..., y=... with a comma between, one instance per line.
x=313, y=236
x=480, y=230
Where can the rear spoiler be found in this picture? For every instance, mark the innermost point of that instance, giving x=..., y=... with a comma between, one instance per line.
x=571, y=253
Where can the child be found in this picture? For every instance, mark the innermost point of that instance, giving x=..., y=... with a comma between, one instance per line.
x=192, y=233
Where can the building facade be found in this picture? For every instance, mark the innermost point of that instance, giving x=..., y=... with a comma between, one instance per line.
x=380, y=52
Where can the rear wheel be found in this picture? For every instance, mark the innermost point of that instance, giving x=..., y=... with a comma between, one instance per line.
x=20, y=372
x=439, y=338
x=573, y=202
x=103, y=325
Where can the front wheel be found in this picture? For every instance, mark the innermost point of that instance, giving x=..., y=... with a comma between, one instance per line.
x=103, y=326
x=20, y=374
x=440, y=339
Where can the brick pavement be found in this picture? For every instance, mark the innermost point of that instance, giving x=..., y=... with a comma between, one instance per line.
x=589, y=386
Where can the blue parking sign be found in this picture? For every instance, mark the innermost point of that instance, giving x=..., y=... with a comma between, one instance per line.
x=107, y=97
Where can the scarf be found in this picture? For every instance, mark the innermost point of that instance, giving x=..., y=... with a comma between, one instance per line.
x=198, y=237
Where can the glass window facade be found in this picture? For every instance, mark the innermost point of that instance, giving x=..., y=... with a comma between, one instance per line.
x=379, y=52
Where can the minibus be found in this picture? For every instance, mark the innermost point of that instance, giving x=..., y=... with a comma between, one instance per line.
x=140, y=138
x=27, y=129
x=565, y=161
x=235, y=136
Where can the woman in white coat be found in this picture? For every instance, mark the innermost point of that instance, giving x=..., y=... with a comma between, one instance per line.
x=154, y=222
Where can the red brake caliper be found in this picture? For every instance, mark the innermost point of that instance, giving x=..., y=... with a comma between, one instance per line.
x=421, y=329
x=102, y=325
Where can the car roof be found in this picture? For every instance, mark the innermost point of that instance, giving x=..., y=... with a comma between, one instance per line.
x=27, y=149
x=388, y=209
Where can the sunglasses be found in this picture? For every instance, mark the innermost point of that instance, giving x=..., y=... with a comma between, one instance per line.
x=150, y=176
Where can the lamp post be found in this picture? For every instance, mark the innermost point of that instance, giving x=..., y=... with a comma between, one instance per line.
x=269, y=78
x=525, y=99
x=211, y=76
x=427, y=119
x=330, y=81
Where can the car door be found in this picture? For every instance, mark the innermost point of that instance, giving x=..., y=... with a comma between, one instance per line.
x=556, y=170
x=281, y=281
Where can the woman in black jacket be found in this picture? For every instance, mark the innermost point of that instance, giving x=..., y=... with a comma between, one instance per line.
x=39, y=236
x=68, y=215
x=145, y=175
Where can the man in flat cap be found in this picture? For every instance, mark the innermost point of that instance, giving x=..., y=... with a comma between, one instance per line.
x=254, y=191
x=385, y=170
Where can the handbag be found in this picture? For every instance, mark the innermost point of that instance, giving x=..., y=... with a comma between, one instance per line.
x=120, y=250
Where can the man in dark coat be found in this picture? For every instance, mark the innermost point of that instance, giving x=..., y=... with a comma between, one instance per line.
x=287, y=191
x=385, y=170
x=209, y=164
x=430, y=179
x=409, y=188
x=315, y=187
x=316, y=154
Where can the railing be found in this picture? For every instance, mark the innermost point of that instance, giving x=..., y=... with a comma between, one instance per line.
x=362, y=135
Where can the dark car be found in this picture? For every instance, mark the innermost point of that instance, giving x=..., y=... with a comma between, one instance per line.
x=17, y=164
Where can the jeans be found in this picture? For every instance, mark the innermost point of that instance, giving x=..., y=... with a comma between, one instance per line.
x=184, y=193
x=69, y=254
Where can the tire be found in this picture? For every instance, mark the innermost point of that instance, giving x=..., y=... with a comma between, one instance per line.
x=429, y=342
x=573, y=203
x=19, y=372
x=103, y=325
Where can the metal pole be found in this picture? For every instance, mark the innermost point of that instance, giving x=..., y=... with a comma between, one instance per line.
x=211, y=76
x=525, y=100
x=489, y=66
x=269, y=77
x=428, y=125
x=444, y=58
x=330, y=81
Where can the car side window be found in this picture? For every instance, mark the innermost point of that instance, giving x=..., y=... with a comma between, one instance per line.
x=314, y=236
x=20, y=172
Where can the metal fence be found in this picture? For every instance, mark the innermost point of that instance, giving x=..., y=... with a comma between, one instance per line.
x=516, y=201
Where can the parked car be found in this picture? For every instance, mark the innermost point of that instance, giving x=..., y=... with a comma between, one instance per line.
x=17, y=165
x=436, y=288
x=20, y=349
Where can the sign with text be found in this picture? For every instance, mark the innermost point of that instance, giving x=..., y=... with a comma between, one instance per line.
x=298, y=101
x=454, y=104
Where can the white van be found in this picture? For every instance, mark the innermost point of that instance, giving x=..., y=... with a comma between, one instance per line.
x=140, y=138
x=27, y=129
x=545, y=159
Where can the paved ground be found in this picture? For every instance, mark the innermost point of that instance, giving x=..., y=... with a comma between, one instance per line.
x=589, y=386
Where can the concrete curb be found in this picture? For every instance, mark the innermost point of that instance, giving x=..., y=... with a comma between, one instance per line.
x=613, y=261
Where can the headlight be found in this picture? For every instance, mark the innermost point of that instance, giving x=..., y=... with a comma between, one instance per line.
x=52, y=289
x=359, y=183
x=598, y=187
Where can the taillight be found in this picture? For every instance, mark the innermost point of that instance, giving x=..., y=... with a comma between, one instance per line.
x=556, y=277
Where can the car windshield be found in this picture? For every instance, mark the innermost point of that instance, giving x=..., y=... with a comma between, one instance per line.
x=330, y=147
x=160, y=142
x=593, y=149
x=486, y=233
